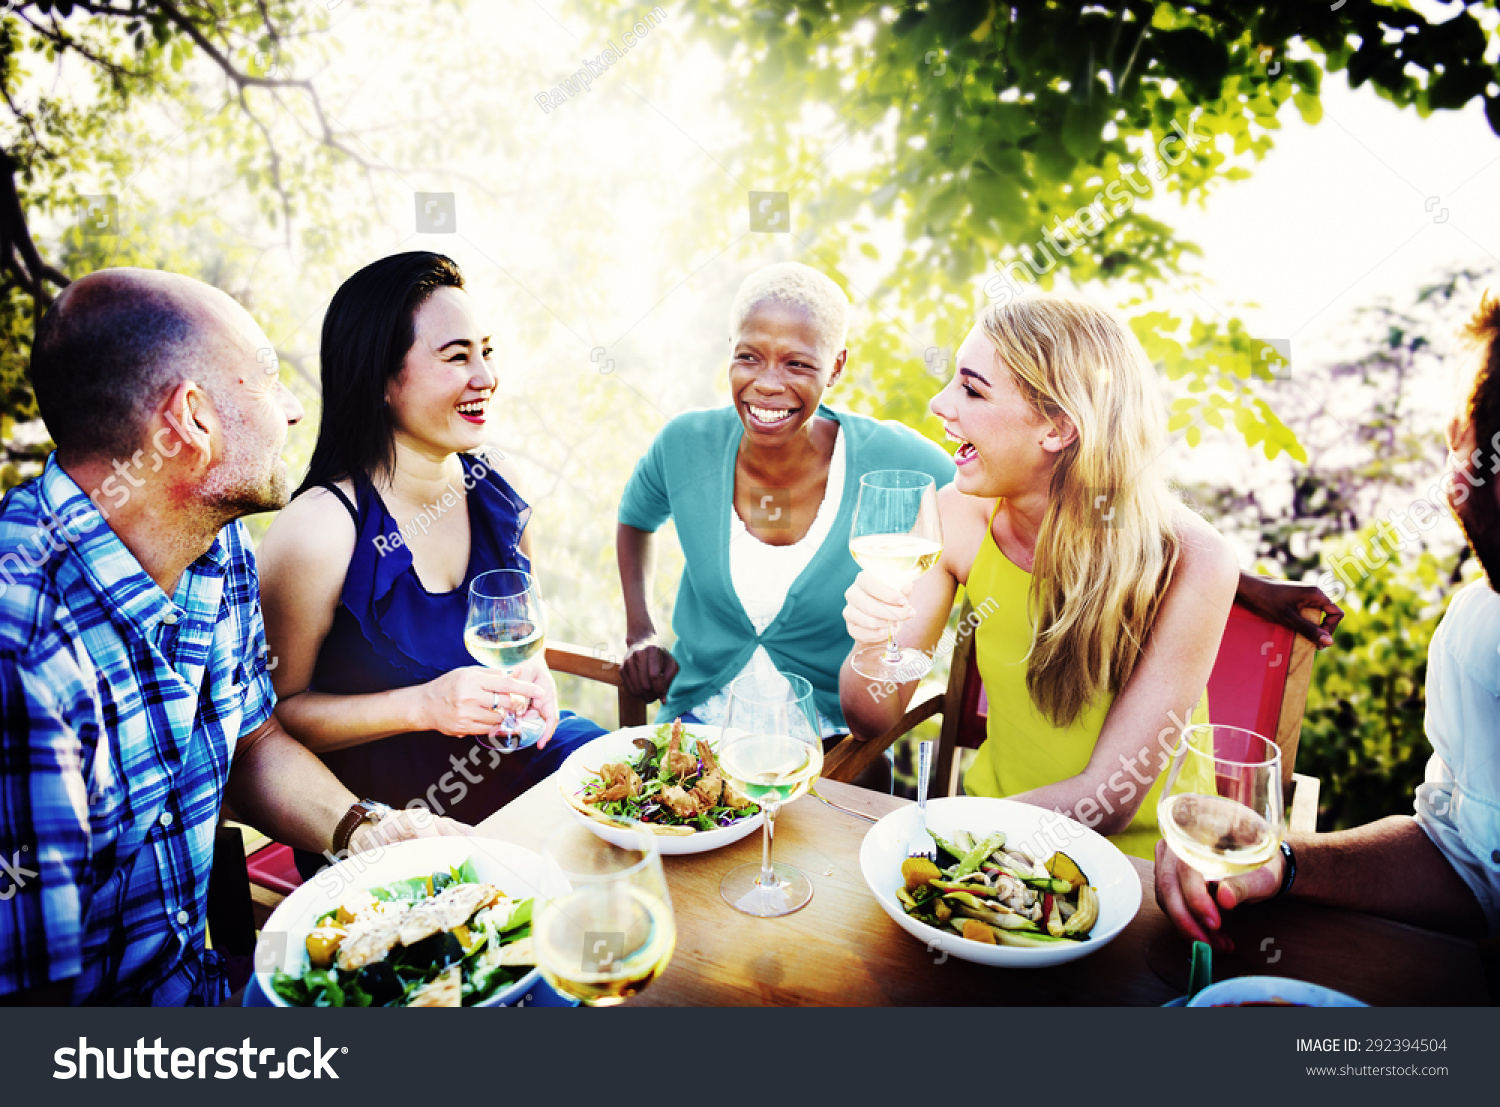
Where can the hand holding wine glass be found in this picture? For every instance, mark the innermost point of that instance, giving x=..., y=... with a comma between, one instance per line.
x=1221, y=815
x=505, y=630
x=612, y=932
x=897, y=537
x=771, y=749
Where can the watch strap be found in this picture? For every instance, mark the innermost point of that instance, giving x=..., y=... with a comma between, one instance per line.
x=1288, y=869
x=365, y=811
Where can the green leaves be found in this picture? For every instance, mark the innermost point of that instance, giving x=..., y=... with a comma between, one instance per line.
x=1082, y=123
x=1362, y=733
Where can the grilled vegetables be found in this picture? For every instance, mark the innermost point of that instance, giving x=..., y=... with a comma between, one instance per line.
x=1002, y=896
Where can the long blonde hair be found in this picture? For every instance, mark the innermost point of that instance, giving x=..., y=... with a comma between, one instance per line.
x=1107, y=545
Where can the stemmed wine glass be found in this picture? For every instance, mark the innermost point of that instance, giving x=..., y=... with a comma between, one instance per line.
x=506, y=627
x=612, y=932
x=897, y=537
x=771, y=749
x=1221, y=805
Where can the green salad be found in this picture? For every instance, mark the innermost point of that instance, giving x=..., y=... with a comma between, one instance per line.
x=443, y=940
x=673, y=785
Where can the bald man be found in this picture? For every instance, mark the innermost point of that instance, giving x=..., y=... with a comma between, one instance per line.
x=133, y=675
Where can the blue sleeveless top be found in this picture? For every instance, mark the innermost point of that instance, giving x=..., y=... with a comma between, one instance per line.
x=390, y=632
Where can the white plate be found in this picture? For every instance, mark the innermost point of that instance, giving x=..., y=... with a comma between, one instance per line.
x=516, y=871
x=583, y=764
x=1267, y=989
x=1036, y=831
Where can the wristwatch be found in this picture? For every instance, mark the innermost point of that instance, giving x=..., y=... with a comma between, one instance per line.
x=365, y=811
x=1288, y=869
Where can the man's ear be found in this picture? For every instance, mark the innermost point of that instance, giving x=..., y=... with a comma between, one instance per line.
x=190, y=421
x=1061, y=434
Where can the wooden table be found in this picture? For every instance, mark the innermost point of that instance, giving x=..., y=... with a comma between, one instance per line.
x=842, y=949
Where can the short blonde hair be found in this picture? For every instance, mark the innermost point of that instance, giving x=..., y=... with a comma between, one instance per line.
x=800, y=286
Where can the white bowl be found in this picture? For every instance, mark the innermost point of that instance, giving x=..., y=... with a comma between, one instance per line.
x=516, y=871
x=1035, y=830
x=583, y=764
x=1267, y=989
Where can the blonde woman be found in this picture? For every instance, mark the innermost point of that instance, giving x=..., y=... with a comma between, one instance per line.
x=1105, y=598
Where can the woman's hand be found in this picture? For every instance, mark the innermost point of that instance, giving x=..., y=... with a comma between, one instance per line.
x=871, y=605
x=1183, y=894
x=462, y=702
x=543, y=706
x=1281, y=602
x=648, y=671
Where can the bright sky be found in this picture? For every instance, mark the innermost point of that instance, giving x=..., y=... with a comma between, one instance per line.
x=1366, y=204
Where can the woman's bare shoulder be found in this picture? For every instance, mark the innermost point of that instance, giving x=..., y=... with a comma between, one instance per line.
x=1206, y=555
x=314, y=533
x=965, y=519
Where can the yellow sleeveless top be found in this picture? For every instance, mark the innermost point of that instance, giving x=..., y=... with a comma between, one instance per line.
x=1022, y=748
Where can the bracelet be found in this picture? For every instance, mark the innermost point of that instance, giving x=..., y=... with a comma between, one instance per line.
x=1288, y=869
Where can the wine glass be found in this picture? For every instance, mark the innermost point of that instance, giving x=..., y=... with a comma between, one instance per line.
x=1221, y=806
x=505, y=627
x=612, y=932
x=897, y=537
x=771, y=749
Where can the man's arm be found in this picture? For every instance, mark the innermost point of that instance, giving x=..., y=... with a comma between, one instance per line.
x=279, y=787
x=1388, y=868
x=45, y=832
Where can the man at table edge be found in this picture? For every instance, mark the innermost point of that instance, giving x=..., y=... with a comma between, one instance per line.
x=1441, y=867
x=133, y=676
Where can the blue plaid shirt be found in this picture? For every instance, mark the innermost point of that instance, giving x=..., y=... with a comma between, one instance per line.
x=122, y=709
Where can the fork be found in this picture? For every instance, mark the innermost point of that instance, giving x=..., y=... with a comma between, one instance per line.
x=921, y=842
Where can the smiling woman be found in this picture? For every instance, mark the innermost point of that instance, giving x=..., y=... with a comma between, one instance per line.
x=763, y=492
x=1108, y=598
x=365, y=574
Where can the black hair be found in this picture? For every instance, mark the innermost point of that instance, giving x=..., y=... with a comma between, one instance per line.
x=100, y=366
x=369, y=327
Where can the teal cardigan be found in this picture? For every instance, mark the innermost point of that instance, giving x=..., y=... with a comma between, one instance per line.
x=688, y=475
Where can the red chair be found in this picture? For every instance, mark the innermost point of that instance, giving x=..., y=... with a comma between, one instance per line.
x=1259, y=682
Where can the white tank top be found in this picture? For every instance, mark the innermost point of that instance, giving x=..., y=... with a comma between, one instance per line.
x=762, y=575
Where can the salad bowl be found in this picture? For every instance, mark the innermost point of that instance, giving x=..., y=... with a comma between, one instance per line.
x=583, y=765
x=517, y=871
x=1036, y=831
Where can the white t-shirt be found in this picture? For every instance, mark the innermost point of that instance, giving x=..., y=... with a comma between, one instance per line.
x=1459, y=803
x=762, y=575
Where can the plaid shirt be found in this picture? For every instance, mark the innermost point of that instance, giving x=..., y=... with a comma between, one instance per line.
x=122, y=709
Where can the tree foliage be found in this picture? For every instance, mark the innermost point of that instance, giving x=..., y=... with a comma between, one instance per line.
x=988, y=131
x=76, y=79
x=1363, y=733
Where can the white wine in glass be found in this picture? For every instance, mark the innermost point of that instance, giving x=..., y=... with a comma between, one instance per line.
x=613, y=932
x=771, y=749
x=896, y=536
x=506, y=627
x=1221, y=809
